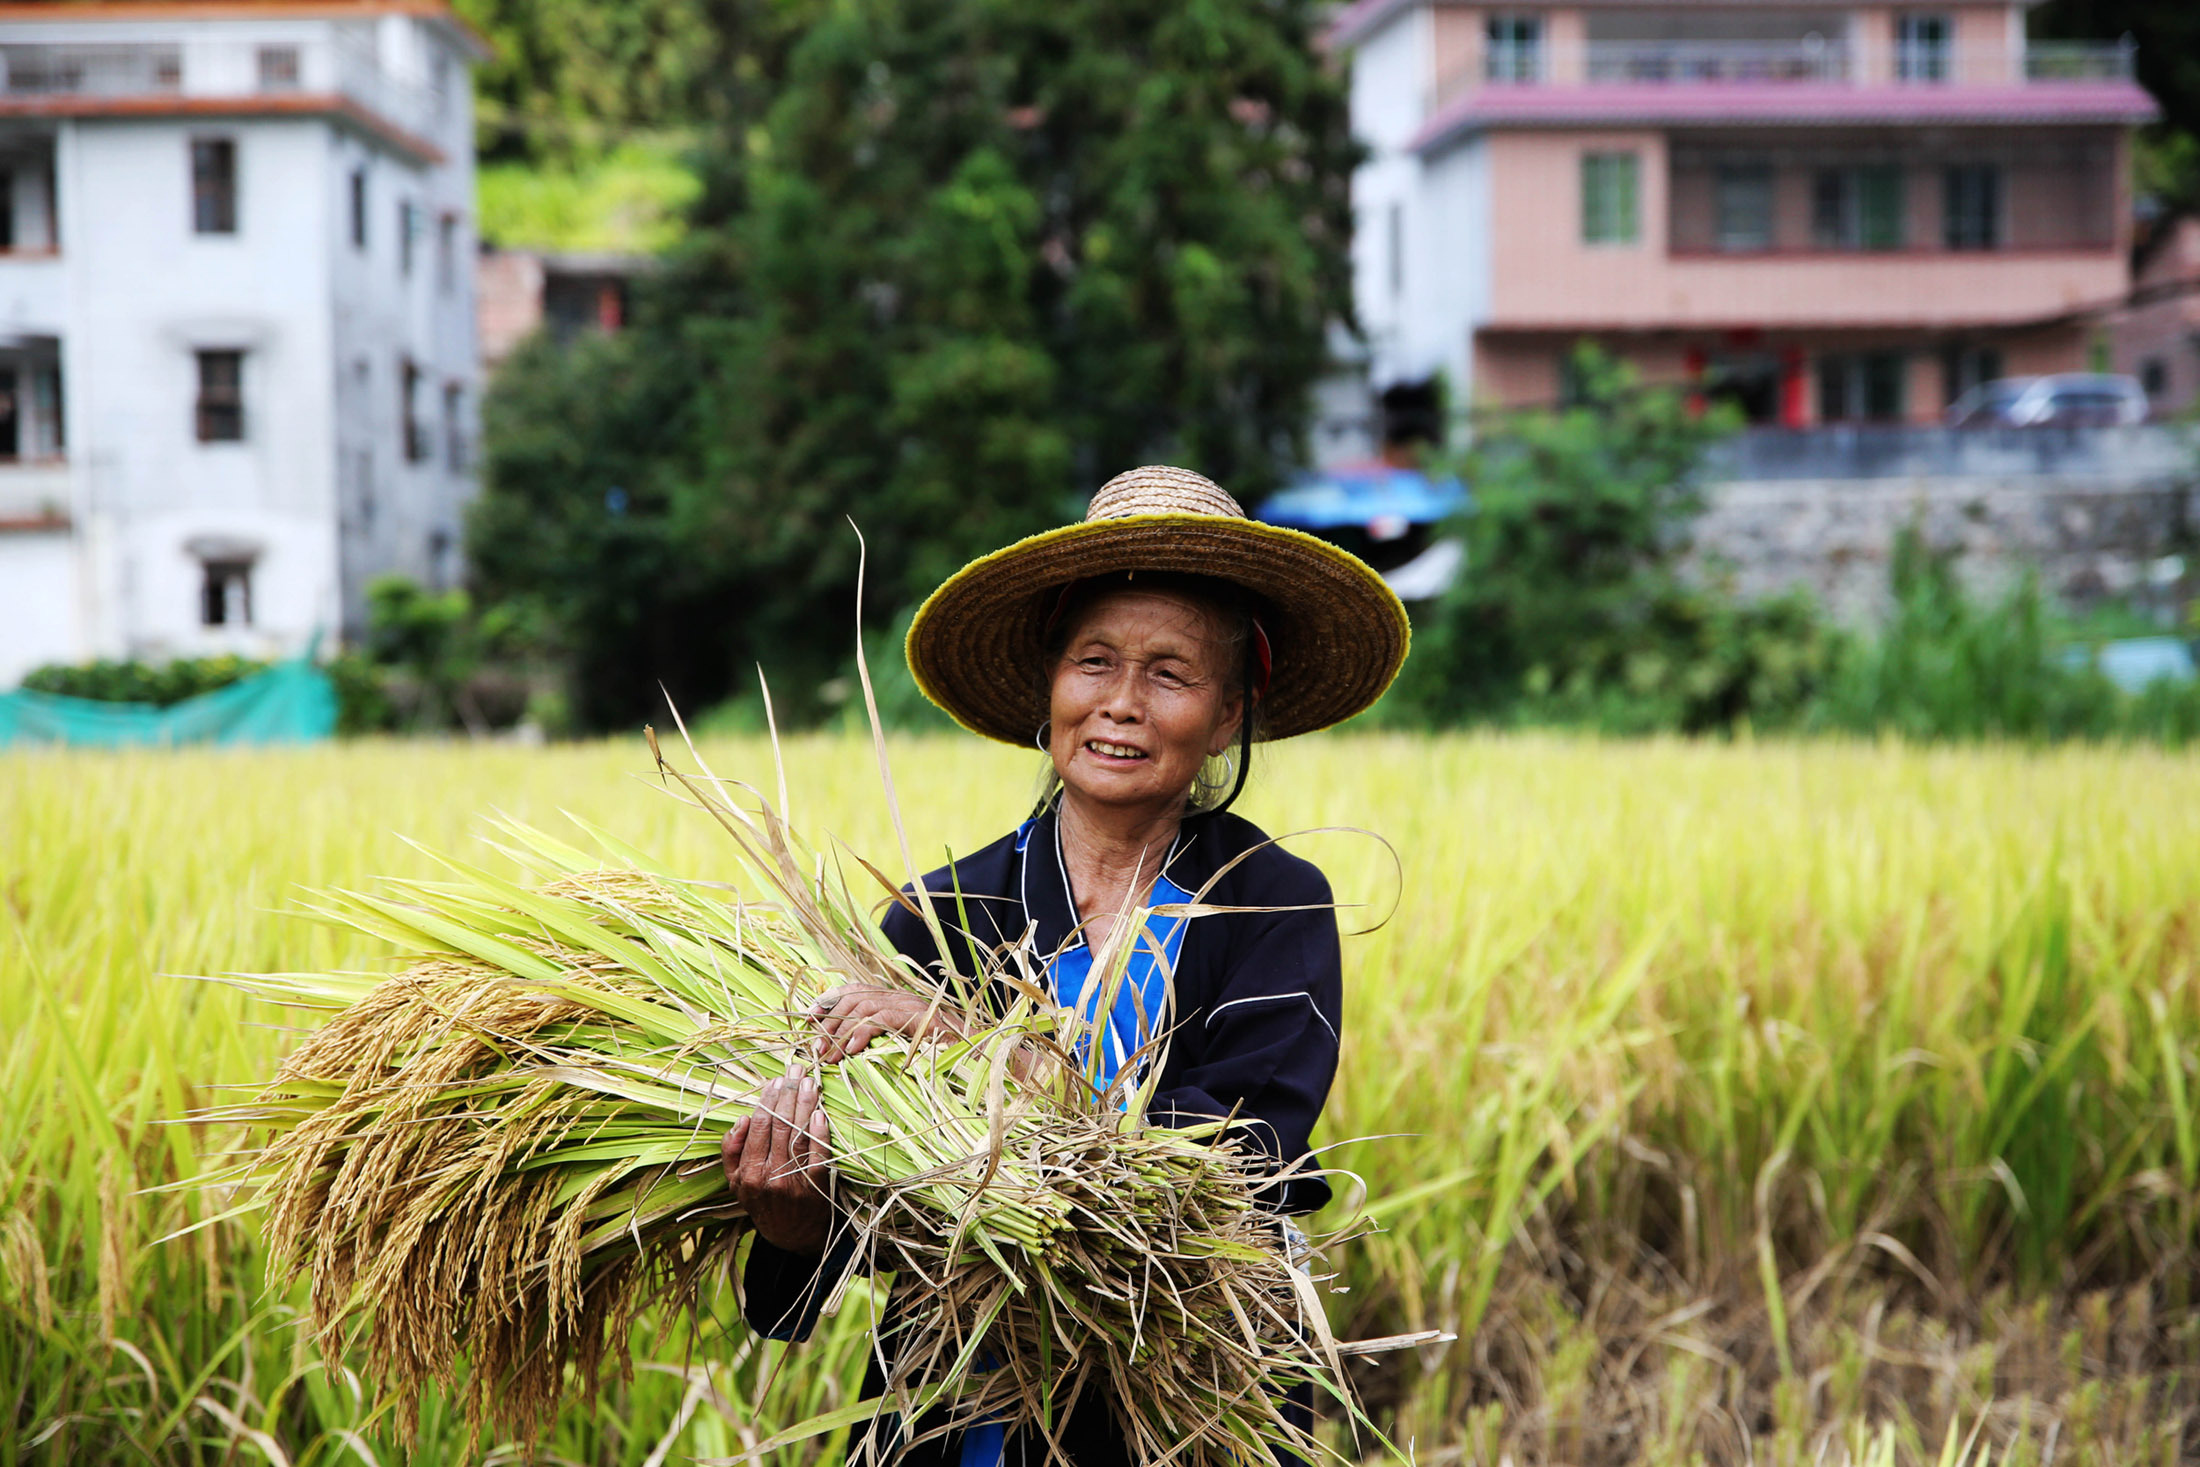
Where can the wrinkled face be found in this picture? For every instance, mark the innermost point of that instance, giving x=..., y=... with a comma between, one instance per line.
x=1139, y=698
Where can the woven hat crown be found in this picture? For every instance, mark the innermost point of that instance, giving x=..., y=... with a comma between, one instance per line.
x=1160, y=489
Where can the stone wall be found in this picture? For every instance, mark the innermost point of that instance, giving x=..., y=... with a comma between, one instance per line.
x=2108, y=528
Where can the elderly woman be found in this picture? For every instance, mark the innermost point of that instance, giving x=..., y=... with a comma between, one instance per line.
x=1144, y=651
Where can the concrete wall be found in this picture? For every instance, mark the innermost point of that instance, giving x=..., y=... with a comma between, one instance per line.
x=1547, y=278
x=38, y=572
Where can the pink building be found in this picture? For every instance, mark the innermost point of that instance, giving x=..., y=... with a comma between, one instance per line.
x=1825, y=212
x=2156, y=337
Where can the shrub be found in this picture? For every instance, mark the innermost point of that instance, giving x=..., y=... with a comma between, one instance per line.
x=162, y=684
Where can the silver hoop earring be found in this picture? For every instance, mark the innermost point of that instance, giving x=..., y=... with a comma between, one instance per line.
x=1041, y=740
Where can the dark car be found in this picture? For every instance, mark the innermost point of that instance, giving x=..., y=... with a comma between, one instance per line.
x=2065, y=400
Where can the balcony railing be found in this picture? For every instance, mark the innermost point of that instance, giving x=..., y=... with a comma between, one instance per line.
x=2078, y=61
x=153, y=71
x=1716, y=61
x=97, y=71
x=1808, y=60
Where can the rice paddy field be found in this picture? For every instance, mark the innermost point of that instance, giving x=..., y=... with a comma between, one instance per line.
x=1773, y=1103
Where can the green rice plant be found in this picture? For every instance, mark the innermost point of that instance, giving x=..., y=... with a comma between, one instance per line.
x=1870, y=935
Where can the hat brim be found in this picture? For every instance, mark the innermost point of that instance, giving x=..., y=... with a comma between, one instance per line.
x=1338, y=632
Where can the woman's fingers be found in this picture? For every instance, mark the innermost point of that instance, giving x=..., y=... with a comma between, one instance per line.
x=798, y=1125
x=775, y=1155
x=730, y=1152
x=856, y=1015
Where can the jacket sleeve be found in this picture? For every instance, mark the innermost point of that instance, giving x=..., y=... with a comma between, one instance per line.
x=782, y=1293
x=1265, y=1045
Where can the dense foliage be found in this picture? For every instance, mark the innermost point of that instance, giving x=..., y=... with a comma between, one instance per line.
x=162, y=684
x=1578, y=604
x=570, y=78
x=953, y=266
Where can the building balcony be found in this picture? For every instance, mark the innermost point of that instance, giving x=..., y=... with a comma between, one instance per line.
x=338, y=72
x=1810, y=80
x=1807, y=59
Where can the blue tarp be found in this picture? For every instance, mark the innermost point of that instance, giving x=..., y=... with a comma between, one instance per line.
x=291, y=703
x=1364, y=495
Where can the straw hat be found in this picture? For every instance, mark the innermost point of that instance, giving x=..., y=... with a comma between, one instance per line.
x=1338, y=633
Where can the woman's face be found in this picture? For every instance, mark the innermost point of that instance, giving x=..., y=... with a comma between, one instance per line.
x=1139, y=699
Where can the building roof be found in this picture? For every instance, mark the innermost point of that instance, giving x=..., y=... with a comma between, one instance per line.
x=288, y=104
x=1786, y=103
x=50, y=11
x=1362, y=18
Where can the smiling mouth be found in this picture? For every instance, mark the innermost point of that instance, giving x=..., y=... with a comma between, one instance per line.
x=1114, y=751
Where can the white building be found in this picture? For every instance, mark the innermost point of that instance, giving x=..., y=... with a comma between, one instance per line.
x=238, y=375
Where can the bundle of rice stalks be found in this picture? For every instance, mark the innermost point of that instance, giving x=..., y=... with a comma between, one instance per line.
x=492, y=1162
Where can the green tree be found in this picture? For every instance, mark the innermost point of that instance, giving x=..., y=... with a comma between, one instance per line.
x=953, y=265
x=1574, y=607
x=570, y=78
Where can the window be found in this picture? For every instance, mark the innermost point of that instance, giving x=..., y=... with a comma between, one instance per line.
x=1921, y=48
x=1858, y=208
x=1513, y=49
x=454, y=426
x=1608, y=213
x=278, y=68
x=358, y=208
x=416, y=431
x=408, y=222
x=221, y=397
x=225, y=593
x=11, y=416
x=446, y=253
x=1971, y=206
x=1966, y=367
x=1868, y=387
x=1743, y=206
x=214, y=185
x=2154, y=376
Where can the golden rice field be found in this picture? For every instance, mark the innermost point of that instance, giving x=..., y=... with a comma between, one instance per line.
x=1786, y=1103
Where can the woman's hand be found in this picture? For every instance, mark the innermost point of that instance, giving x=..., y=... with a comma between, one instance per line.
x=851, y=1016
x=775, y=1159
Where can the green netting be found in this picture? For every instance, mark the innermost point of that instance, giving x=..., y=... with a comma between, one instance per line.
x=292, y=702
